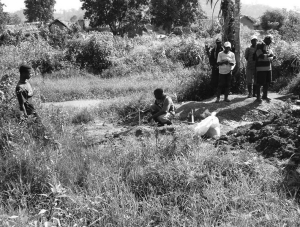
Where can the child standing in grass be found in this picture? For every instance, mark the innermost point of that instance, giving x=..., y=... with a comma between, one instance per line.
x=24, y=91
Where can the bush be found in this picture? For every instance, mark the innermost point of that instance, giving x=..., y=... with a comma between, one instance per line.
x=92, y=53
x=293, y=86
x=272, y=19
x=189, y=52
x=83, y=117
x=195, y=87
x=49, y=62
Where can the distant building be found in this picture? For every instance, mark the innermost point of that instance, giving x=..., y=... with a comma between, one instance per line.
x=250, y=22
x=84, y=24
x=63, y=25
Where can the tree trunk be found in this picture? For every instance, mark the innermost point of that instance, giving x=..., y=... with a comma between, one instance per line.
x=237, y=42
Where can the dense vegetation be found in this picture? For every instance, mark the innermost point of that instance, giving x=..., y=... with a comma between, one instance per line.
x=50, y=171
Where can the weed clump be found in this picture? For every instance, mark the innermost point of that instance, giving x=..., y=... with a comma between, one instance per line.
x=83, y=117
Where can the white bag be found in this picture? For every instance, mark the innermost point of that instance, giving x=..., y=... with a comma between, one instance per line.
x=210, y=126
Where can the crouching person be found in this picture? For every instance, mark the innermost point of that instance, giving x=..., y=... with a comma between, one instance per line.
x=162, y=110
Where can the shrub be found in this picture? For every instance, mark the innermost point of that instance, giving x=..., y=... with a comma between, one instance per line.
x=83, y=117
x=92, y=53
x=189, y=52
x=272, y=19
x=293, y=86
x=49, y=62
x=195, y=87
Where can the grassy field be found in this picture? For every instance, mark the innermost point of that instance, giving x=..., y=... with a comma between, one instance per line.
x=49, y=172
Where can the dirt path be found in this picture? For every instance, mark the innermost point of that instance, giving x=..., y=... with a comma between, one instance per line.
x=88, y=103
x=240, y=111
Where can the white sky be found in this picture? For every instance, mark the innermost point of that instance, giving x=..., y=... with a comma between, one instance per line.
x=14, y=5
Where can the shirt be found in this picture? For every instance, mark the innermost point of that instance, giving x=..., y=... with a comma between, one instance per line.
x=226, y=68
x=263, y=62
x=249, y=57
x=166, y=104
x=24, y=93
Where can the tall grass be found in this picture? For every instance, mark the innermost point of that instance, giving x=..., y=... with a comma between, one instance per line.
x=49, y=170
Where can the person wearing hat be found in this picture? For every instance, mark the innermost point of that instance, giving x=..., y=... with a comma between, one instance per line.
x=250, y=68
x=24, y=91
x=213, y=57
x=264, y=57
x=226, y=62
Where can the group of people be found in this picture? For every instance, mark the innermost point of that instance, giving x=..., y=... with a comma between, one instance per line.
x=258, y=70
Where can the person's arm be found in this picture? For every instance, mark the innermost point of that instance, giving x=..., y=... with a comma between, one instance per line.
x=271, y=56
x=164, y=110
x=260, y=53
x=220, y=61
x=233, y=61
x=212, y=58
x=247, y=54
x=21, y=100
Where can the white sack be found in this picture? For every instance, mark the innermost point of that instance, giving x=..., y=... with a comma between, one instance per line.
x=210, y=126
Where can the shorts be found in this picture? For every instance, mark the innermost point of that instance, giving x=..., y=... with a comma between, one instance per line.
x=264, y=77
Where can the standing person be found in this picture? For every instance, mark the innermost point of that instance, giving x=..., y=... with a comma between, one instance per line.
x=213, y=57
x=163, y=110
x=24, y=91
x=264, y=56
x=226, y=62
x=250, y=68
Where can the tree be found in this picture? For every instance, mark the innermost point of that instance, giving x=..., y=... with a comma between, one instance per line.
x=39, y=10
x=291, y=29
x=115, y=13
x=3, y=17
x=73, y=18
x=171, y=13
x=14, y=19
x=273, y=19
x=231, y=14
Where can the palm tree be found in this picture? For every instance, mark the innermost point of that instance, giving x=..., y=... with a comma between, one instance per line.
x=230, y=12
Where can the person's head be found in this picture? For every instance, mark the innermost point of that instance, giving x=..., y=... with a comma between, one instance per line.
x=159, y=93
x=254, y=40
x=25, y=72
x=227, y=46
x=268, y=39
x=218, y=42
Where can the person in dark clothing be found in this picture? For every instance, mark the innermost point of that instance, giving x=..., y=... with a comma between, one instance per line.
x=264, y=57
x=251, y=68
x=214, y=65
x=24, y=91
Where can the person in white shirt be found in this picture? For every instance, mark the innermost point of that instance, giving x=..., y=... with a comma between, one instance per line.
x=226, y=62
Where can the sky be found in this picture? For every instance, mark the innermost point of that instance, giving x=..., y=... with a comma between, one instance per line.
x=14, y=5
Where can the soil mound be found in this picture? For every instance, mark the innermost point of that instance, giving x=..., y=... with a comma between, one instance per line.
x=277, y=137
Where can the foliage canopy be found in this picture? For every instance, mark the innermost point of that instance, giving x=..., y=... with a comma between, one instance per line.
x=3, y=17
x=39, y=10
x=115, y=14
x=272, y=19
x=170, y=13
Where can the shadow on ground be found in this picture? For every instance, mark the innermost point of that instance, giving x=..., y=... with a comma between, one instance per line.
x=234, y=110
